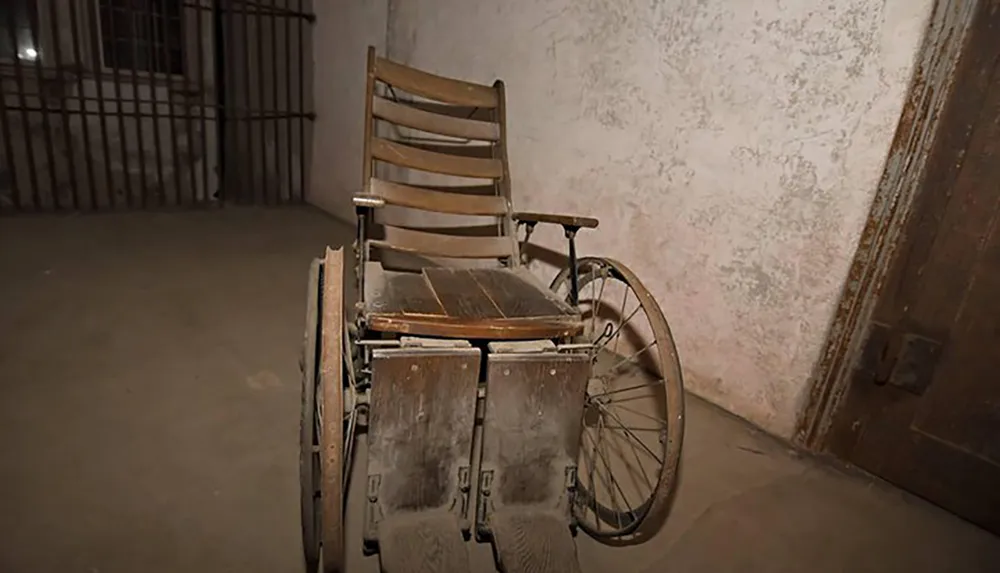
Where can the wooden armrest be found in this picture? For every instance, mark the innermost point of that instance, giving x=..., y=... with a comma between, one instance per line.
x=368, y=200
x=564, y=220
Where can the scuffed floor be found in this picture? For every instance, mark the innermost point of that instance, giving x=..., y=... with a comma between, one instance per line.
x=149, y=422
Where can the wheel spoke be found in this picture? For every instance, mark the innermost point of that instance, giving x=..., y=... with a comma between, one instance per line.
x=626, y=389
x=661, y=421
x=622, y=313
x=630, y=358
x=622, y=426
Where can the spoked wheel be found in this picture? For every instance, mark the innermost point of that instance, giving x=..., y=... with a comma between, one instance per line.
x=323, y=439
x=634, y=413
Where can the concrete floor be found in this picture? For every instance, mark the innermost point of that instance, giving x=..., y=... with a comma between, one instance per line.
x=149, y=395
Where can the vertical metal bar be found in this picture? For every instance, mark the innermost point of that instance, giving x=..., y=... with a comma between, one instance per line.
x=50, y=156
x=287, y=109
x=275, y=142
x=67, y=131
x=261, y=95
x=25, y=119
x=223, y=32
x=95, y=46
x=154, y=100
x=202, y=102
x=302, y=101
x=191, y=98
x=81, y=94
x=163, y=26
x=9, y=150
x=247, y=160
x=137, y=103
x=120, y=105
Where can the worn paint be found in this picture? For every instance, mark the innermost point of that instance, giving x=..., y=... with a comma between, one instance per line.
x=905, y=167
x=731, y=150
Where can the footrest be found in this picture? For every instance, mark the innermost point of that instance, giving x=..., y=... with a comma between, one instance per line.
x=424, y=542
x=534, y=542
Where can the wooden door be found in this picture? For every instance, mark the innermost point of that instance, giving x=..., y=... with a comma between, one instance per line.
x=923, y=407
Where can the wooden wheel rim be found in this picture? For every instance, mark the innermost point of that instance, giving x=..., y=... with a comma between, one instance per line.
x=331, y=398
x=672, y=382
x=308, y=460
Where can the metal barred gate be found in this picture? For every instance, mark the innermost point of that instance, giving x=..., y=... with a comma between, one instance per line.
x=132, y=104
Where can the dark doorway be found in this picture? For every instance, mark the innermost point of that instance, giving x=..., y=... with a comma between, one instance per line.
x=923, y=406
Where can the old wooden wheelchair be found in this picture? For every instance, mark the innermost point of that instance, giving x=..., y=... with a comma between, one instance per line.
x=493, y=406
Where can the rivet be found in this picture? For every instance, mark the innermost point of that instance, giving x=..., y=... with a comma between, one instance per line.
x=506, y=372
x=414, y=368
x=465, y=367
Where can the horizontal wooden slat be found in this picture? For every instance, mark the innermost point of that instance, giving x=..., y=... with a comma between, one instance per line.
x=405, y=115
x=488, y=189
x=407, y=156
x=437, y=201
x=462, y=111
x=435, y=87
x=437, y=245
x=456, y=149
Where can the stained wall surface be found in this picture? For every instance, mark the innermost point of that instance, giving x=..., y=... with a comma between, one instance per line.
x=341, y=35
x=731, y=150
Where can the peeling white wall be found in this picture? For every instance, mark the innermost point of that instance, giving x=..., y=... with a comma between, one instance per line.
x=343, y=31
x=731, y=150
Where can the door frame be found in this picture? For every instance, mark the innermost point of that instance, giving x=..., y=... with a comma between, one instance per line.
x=922, y=154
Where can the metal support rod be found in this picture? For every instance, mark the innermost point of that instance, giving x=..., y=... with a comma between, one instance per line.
x=202, y=103
x=9, y=150
x=287, y=108
x=122, y=134
x=189, y=94
x=273, y=45
x=137, y=109
x=574, y=292
x=78, y=62
x=163, y=28
x=95, y=47
x=258, y=39
x=302, y=107
x=246, y=159
x=43, y=100
x=25, y=119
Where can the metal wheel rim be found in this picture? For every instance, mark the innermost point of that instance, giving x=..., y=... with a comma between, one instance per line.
x=618, y=524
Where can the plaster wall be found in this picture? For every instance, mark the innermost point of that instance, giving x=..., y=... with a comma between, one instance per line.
x=732, y=151
x=341, y=36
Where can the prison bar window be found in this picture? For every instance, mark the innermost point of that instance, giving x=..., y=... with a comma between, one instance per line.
x=144, y=35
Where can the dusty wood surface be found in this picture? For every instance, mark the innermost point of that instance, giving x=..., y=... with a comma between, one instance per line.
x=939, y=438
x=442, y=89
x=442, y=245
x=406, y=115
x=472, y=303
x=534, y=542
x=434, y=161
x=332, y=396
x=557, y=219
x=429, y=542
x=437, y=201
x=423, y=404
